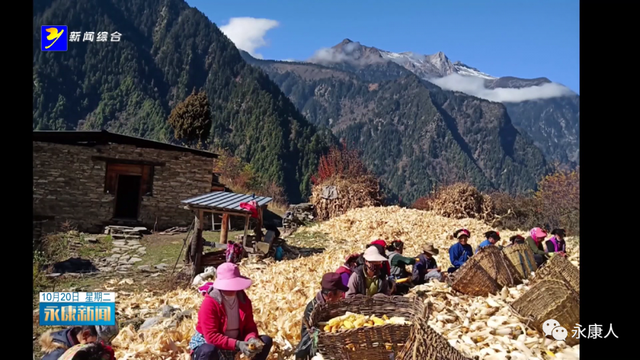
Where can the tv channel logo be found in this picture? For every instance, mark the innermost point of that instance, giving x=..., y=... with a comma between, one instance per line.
x=54, y=38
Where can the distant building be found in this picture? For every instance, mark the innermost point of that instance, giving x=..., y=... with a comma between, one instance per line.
x=97, y=178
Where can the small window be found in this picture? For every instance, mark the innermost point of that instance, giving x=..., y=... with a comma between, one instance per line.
x=215, y=179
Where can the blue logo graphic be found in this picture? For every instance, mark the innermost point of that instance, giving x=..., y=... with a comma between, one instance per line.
x=77, y=314
x=54, y=38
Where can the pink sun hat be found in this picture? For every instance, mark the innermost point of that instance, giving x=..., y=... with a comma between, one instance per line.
x=228, y=278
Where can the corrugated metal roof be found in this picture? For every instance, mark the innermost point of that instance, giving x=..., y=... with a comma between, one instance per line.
x=222, y=200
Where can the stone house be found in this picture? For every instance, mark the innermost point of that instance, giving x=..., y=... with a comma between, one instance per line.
x=97, y=178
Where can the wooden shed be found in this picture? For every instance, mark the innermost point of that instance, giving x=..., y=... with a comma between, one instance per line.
x=226, y=204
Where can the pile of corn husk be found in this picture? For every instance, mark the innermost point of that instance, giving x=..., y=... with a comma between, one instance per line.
x=460, y=201
x=281, y=290
x=487, y=326
x=362, y=191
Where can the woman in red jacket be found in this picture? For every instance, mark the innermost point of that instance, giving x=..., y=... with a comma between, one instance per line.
x=225, y=320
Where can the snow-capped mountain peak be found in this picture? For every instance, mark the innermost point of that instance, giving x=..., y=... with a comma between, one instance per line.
x=425, y=66
x=467, y=70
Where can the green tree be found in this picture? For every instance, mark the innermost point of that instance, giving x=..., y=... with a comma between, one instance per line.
x=191, y=119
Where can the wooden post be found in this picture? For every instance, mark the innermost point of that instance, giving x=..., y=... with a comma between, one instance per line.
x=197, y=264
x=224, y=228
x=246, y=230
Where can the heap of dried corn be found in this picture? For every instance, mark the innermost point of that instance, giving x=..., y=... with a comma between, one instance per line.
x=355, y=193
x=281, y=291
x=487, y=327
x=461, y=201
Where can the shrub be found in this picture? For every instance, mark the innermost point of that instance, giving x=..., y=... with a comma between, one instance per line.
x=340, y=161
x=556, y=204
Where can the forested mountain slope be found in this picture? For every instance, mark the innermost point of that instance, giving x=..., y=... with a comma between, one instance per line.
x=167, y=49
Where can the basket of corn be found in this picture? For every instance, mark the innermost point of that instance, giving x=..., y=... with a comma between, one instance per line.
x=365, y=328
x=485, y=273
x=426, y=343
x=550, y=299
x=522, y=258
x=559, y=268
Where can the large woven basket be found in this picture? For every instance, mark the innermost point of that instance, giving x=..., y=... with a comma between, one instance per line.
x=369, y=343
x=521, y=256
x=485, y=273
x=425, y=343
x=550, y=299
x=560, y=268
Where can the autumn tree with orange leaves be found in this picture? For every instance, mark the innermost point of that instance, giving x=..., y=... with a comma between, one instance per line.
x=340, y=161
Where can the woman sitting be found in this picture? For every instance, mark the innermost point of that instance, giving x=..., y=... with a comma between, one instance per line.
x=225, y=320
x=534, y=241
x=345, y=270
x=516, y=239
x=460, y=252
x=426, y=268
x=398, y=264
x=381, y=245
x=556, y=244
x=368, y=279
x=492, y=237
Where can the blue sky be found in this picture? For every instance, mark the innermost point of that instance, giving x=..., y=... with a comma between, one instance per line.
x=519, y=38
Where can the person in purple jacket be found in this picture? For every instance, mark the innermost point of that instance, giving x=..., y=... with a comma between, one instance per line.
x=345, y=270
x=557, y=244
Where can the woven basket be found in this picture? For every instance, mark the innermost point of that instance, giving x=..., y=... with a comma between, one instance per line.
x=485, y=273
x=560, y=268
x=424, y=343
x=473, y=279
x=550, y=299
x=522, y=259
x=370, y=343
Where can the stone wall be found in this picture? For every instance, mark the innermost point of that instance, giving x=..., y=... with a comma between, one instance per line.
x=70, y=186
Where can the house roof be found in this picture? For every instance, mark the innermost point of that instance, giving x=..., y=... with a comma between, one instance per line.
x=224, y=201
x=104, y=137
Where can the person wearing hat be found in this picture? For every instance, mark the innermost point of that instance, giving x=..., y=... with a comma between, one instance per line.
x=534, y=240
x=331, y=290
x=225, y=320
x=426, y=268
x=461, y=251
x=345, y=270
x=55, y=343
x=368, y=279
x=381, y=245
x=556, y=244
x=492, y=237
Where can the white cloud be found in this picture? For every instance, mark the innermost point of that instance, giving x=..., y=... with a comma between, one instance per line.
x=475, y=86
x=249, y=33
x=350, y=53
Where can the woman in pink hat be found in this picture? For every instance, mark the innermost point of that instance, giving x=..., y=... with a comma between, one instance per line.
x=534, y=240
x=225, y=320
